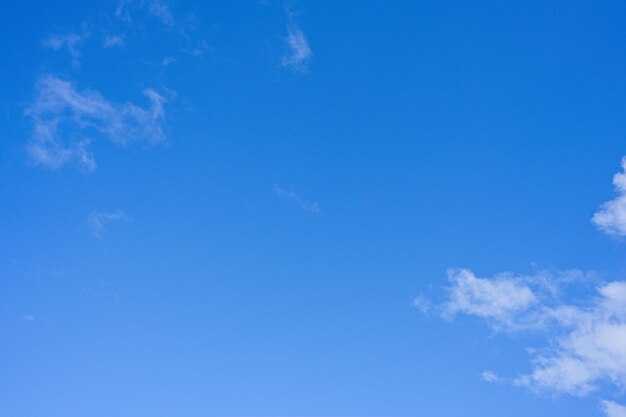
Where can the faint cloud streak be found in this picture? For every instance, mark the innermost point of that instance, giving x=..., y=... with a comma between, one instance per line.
x=298, y=53
x=296, y=199
x=99, y=221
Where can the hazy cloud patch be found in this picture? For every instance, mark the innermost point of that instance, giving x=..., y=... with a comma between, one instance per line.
x=69, y=42
x=613, y=409
x=113, y=41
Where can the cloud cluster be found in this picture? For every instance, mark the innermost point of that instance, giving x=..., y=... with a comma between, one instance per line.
x=585, y=340
x=611, y=217
x=65, y=119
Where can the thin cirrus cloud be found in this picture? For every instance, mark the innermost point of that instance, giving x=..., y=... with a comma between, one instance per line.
x=113, y=41
x=98, y=221
x=161, y=11
x=156, y=8
x=132, y=12
x=70, y=42
x=64, y=119
x=296, y=199
x=611, y=217
x=298, y=50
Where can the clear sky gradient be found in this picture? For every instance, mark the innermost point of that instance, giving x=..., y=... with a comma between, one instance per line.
x=312, y=208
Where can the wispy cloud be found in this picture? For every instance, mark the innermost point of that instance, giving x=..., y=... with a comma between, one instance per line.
x=167, y=61
x=184, y=28
x=28, y=317
x=63, y=117
x=113, y=41
x=97, y=221
x=585, y=341
x=613, y=409
x=491, y=377
x=101, y=289
x=296, y=199
x=422, y=304
x=161, y=11
x=70, y=42
x=298, y=52
x=611, y=217
x=156, y=8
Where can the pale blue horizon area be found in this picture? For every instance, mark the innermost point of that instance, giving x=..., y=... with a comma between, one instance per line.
x=264, y=257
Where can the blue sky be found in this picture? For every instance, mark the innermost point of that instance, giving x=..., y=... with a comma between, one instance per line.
x=295, y=208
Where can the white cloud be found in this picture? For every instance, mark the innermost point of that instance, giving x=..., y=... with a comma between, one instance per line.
x=28, y=317
x=70, y=42
x=113, y=41
x=585, y=341
x=97, y=221
x=498, y=300
x=613, y=409
x=492, y=377
x=611, y=217
x=593, y=348
x=296, y=199
x=422, y=304
x=63, y=117
x=299, y=52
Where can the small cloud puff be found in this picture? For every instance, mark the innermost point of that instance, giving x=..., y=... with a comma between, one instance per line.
x=611, y=217
x=491, y=377
x=299, y=52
